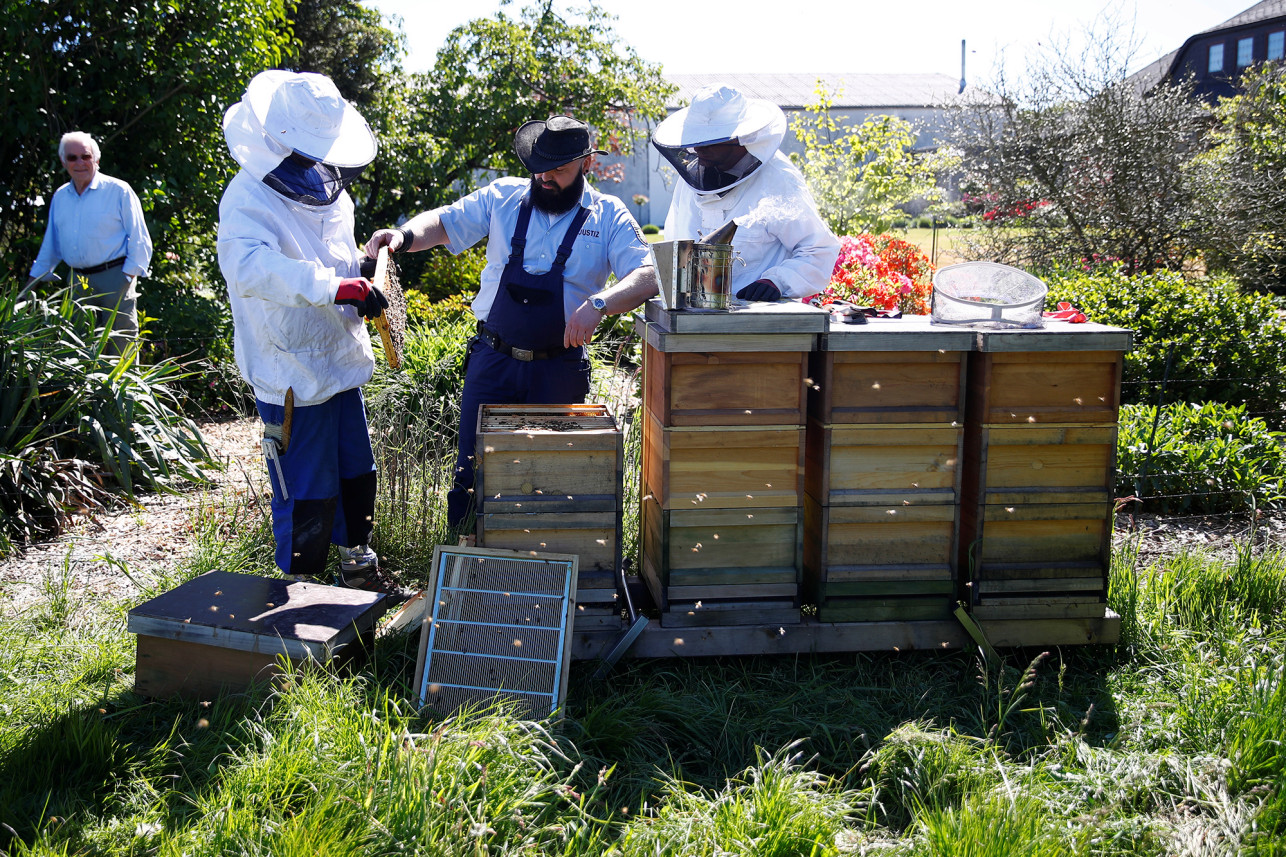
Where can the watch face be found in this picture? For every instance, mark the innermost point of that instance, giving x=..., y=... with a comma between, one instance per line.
x=598, y=304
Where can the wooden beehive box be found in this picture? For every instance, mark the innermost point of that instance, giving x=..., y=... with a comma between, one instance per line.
x=549, y=458
x=723, y=467
x=748, y=557
x=886, y=464
x=742, y=368
x=882, y=477
x=549, y=481
x=903, y=371
x=1040, y=452
x=224, y=632
x=725, y=389
x=880, y=563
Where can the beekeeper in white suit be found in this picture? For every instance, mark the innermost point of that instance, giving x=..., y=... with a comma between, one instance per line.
x=725, y=147
x=287, y=251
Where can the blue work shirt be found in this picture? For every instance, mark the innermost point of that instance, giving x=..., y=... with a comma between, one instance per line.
x=101, y=224
x=610, y=241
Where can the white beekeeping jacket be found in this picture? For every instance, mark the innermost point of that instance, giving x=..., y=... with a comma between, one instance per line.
x=780, y=236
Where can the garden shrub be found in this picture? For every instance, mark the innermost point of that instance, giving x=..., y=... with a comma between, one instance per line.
x=1203, y=458
x=651, y=229
x=439, y=275
x=189, y=321
x=76, y=421
x=1228, y=346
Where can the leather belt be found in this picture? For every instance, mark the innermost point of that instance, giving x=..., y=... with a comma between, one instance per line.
x=98, y=269
x=526, y=355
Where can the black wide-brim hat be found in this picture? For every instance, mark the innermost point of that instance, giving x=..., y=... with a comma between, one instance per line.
x=549, y=144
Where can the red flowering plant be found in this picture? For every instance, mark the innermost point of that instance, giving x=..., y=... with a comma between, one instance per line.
x=883, y=272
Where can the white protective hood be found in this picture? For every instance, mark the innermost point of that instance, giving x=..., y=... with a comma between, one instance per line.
x=284, y=112
x=720, y=114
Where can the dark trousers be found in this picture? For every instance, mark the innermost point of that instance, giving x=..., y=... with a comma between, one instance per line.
x=497, y=379
x=329, y=470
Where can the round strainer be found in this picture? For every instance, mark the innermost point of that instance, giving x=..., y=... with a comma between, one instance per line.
x=987, y=294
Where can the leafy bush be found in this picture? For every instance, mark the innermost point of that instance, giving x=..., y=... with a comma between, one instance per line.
x=651, y=229
x=75, y=420
x=439, y=275
x=187, y=320
x=1227, y=346
x=1201, y=458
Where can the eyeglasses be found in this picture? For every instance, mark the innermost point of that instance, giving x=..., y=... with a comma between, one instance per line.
x=71, y=159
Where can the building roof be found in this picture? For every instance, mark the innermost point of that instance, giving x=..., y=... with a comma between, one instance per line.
x=794, y=91
x=1153, y=73
x=1259, y=12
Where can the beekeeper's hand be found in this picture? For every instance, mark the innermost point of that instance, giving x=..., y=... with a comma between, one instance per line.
x=397, y=241
x=760, y=290
x=358, y=292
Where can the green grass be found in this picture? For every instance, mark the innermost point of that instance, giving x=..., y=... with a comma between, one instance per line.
x=1169, y=743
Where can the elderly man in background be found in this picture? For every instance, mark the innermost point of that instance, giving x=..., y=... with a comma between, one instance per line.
x=726, y=148
x=287, y=251
x=96, y=226
x=552, y=243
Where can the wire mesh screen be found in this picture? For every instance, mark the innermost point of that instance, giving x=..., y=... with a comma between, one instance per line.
x=498, y=627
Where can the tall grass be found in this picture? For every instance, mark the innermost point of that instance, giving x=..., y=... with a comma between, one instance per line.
x=1171, y=743
x=1168, y=743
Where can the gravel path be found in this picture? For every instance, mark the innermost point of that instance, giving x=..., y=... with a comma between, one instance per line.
x=150, y=536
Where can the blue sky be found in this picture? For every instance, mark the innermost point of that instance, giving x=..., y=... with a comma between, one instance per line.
x=839, y=35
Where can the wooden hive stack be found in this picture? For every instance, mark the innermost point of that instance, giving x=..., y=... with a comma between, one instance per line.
x=1040, y=445
x=723, y=462
x=885, y=434
x=549, y=481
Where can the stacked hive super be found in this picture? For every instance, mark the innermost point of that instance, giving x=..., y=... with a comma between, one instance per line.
x=723, y=461
x=549, y=481
x=885, y=428
x=1040, y=452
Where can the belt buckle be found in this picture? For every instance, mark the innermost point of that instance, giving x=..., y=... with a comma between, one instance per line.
x=524, y=354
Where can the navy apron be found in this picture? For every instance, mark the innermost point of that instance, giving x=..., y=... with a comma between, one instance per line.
x=528, y=308
x=527, y=313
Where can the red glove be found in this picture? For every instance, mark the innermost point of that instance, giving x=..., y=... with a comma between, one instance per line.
x=358, y=292
x=760, y=290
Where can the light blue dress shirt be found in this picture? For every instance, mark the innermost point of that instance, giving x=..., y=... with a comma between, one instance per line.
x=101, y=224
x=610, y=241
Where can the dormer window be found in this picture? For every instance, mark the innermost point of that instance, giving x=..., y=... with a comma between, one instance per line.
x=1216, y=59
x=1245, y=51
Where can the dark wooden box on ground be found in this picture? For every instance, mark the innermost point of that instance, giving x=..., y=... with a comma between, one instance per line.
x=224, y=632
x=1040, y=453
x=549, y=481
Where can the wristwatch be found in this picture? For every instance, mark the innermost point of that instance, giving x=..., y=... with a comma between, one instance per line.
x=599, y=304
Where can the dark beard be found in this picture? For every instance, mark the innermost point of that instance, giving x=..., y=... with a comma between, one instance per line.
x=558, y=201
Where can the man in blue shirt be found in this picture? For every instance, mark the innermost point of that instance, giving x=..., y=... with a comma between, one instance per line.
x=96, y=226
x=552, y=243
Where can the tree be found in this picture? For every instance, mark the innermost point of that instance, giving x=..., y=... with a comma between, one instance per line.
x=438, y=130
x=150, y=80
x=1242, y=182
x=861, y=176
x=1072, y=161
x=348, y=43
